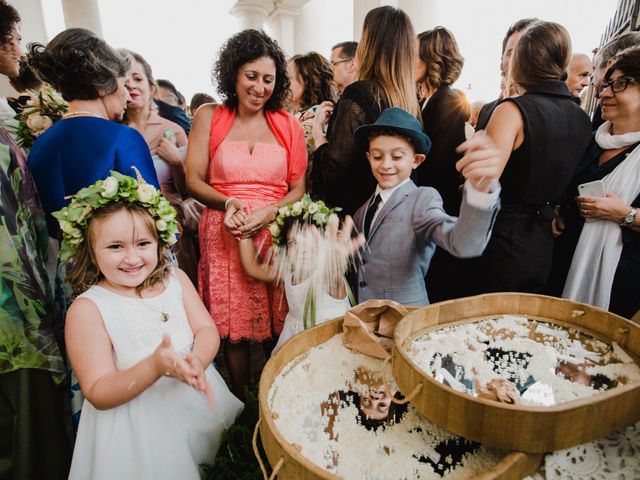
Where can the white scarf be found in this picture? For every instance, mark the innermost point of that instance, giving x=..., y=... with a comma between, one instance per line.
x=596, y=257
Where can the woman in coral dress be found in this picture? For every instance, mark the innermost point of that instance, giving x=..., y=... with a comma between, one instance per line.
x=246, y=159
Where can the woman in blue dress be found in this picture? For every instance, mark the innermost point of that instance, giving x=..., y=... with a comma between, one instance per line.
x=88, y=142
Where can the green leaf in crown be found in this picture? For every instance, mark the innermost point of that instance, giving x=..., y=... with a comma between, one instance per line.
x=304, y=210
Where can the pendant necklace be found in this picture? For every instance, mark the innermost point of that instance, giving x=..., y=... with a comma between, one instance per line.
x=250, y=145
x=164, y=315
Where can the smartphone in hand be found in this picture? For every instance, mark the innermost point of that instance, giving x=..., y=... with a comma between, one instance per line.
x=592, y=189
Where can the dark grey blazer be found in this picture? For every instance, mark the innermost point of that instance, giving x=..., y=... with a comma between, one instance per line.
x=403, y=239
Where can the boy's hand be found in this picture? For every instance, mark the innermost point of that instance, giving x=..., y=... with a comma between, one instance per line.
x=481, y=163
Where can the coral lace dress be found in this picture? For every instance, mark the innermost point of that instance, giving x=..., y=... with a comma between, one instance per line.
x=244, y=308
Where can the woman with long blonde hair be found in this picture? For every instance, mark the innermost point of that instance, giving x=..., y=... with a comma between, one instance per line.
x=341, y=175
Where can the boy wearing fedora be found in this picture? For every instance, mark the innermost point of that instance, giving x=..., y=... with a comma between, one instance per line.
x=403, y=224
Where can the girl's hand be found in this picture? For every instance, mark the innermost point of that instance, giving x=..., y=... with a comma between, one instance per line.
x=235, y=216
x=170, y=363
x=168, y=151
x=347, y=244
x=481, y=163
x=199, y=381
x=257, y=219
x=603, y=208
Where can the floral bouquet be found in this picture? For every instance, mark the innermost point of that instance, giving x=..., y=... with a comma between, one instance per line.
x=43, y=109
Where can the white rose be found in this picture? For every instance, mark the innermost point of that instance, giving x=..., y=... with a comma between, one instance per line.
x=35, y=123
x=319, y=218
x=161, y=225
x=47, y=123
x=296, y=209
x=274, y=229
x=313, y=208
x=146, y=192
x=110, y=187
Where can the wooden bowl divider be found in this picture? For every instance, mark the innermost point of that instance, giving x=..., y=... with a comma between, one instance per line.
x=517, y=427
x=293, y=465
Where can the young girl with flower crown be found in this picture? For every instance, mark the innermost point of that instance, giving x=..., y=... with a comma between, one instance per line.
x=311, y=257
x=139, y=339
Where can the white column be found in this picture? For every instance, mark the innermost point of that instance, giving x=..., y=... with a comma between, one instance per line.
x=31, y=20
x=360, y=10
x=32, y=28
x=281, y=25
x=423, y=13
x=250, y=14
x=84, y=14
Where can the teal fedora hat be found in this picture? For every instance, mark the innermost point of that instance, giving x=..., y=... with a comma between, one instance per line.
x=396, y=120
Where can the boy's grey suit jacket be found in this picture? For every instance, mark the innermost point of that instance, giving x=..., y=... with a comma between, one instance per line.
x=404, y=236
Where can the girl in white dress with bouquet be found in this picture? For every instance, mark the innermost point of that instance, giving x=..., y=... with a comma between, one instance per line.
x=310, y=257
x=139, y=339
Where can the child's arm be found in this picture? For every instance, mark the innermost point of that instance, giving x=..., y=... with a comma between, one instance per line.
x=252, y=266
x=91, y=354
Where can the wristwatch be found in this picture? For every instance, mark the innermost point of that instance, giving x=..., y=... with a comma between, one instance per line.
x=629, y=219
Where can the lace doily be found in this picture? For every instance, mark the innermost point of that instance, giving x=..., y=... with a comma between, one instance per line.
x=614, y=456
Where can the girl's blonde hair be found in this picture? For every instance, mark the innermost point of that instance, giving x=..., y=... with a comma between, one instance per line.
x=386, y=55
x=83, y=272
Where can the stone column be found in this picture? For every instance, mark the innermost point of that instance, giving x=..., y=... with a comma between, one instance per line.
x=84, y=14
x=250, y=14
x=32, y=28
x=360, y=10
x=281, y=24
x=423, y=13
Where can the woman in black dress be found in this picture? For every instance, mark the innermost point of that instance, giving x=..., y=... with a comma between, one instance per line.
x=540, y=136
x=340, y=174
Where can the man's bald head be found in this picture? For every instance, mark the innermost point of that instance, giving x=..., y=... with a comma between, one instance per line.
x=579, y=73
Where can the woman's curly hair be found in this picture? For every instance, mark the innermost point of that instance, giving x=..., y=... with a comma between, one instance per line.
x=78, y=64
x=316, y=74
x=9, y=17
x=242, y=48
x=439, y=51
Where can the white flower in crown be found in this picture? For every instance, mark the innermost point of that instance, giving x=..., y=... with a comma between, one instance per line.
x=319, y=218
x=109, y=186
x=296, y=209
x=146, y=192
x=313, y=208
x=274, y=228
x=161, y=225
x=66, y=227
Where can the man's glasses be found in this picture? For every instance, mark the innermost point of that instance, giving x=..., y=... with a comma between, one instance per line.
x=342, y=60
x=618, y=85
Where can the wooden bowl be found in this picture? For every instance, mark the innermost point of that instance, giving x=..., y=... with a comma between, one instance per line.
x=291, y=464
x=517, y=427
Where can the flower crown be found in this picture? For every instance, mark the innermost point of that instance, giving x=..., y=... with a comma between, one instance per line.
x=75, y=217
x=305, y=210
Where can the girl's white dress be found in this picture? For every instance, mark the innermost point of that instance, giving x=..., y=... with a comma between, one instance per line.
x=170, y=428
x=327, y=308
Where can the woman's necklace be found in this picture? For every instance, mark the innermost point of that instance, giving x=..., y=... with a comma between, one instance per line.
x=250, y=144
x=82, y=113
x=164, y=315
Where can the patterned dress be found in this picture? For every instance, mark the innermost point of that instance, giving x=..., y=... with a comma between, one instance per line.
x=31, y=366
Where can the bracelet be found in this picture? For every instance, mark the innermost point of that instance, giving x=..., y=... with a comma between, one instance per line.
x=226, y=203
